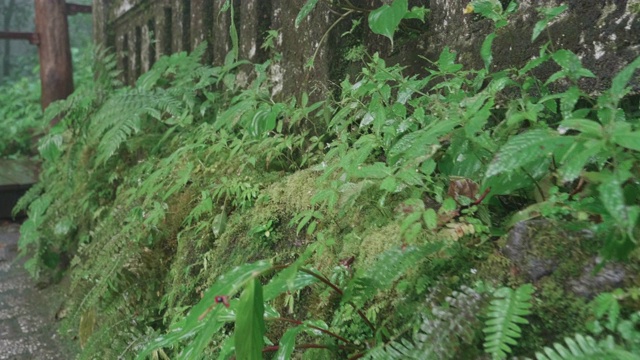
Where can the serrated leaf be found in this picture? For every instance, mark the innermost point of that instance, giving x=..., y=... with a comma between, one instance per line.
x=485, y=50
x=566, y=59
x=575, y=161
x=446, y=61
x=430, y=218
x=586, y=126
x=629, y=140
x=612, y=197
x=305, y=11
x=525, y=148
x=568, y=101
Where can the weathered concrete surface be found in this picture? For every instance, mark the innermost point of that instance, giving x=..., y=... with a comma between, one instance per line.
x=27, y=326
x=603, y=33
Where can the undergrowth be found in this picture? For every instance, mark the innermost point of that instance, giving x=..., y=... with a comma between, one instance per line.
x=373, y=210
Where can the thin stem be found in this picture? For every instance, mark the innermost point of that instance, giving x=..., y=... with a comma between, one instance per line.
x=341, y=293
x=326, y=33
x=323, y=280
x=305, y=346
x=298, y=322
x=535, y=182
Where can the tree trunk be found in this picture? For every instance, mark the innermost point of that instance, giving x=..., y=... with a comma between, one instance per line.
x=56, y=74
x=8, y=10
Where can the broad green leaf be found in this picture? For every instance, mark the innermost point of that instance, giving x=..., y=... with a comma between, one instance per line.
x=585, y=126
x=419, y=142
x=219, y=223
x=288, y=342
x=410, y=177
x=304, y=12
x=571, y=66
x=204, y=318
x=575, y=161
x=568, y=101
x=250, y=328
x=227, y=349
x=385, y=19
x=566, y=59
x=485, y=50
x=525, y=148
x=630, y=140
x=612, y=197
x=280, y=285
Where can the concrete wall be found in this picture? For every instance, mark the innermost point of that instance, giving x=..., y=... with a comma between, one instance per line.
x=140, y=31
x=602, y=32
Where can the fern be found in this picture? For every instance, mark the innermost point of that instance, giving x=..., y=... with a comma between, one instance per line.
x=442, y=333
x=388, y=267
x=584, y=348
x=506, y=311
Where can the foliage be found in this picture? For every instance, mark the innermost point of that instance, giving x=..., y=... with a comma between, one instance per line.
x=20, y=117
x=163, y=197
x=584, y=347
x=505, y=313
x=20, y=112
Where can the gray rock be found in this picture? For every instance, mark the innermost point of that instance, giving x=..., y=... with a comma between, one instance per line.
x=535, y=247
x=522, y=250
x=590, y=284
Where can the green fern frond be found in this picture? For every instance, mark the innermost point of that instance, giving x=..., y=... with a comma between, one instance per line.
x=29, y=197
x=585, y=348
x=442, y=333
x=506, y=311
x=387, y=268
x=115, y=136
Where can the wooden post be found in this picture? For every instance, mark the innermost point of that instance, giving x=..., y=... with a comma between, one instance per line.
x=56, y=74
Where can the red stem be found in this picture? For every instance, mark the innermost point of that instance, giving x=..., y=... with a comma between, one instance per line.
x=298, y=322
x=304, y=346
x=340, y=292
